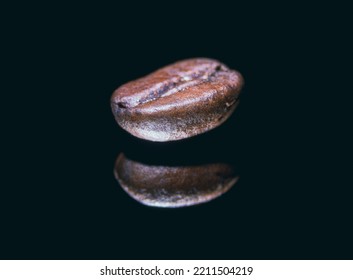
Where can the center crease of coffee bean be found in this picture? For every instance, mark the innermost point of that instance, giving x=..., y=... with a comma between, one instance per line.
x=175, y=85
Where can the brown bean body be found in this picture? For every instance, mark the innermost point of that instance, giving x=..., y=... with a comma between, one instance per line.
x=166, y=186
x=178, y=101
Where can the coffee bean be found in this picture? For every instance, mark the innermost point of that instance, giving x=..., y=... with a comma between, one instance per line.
x=166, y=186
x=178, y=101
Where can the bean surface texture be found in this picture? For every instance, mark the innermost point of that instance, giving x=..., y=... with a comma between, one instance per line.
x=178, y=101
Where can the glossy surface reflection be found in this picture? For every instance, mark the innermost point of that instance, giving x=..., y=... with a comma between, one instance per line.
x=166, y=186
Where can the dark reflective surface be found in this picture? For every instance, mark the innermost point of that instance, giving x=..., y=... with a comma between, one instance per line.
x=288, y=138
x=170, y=186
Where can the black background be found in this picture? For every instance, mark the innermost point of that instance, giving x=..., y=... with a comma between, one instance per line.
x=60, y=199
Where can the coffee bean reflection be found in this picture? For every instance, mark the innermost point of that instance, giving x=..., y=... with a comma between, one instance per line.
x=166, y=186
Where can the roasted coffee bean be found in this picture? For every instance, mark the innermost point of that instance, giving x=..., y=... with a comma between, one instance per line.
x=178, y=101
x=165, y=186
